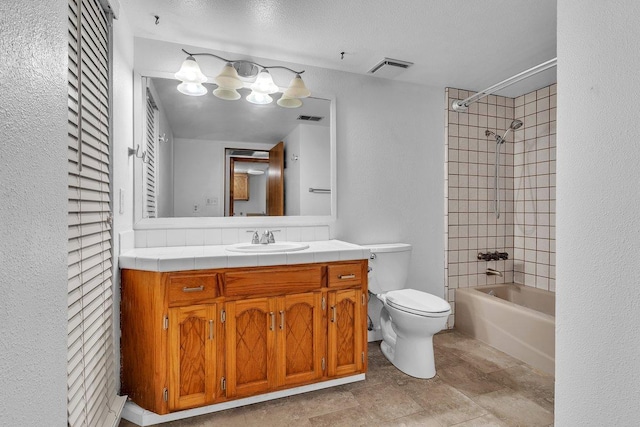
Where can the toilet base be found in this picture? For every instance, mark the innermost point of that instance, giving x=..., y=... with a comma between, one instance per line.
x=414, y=358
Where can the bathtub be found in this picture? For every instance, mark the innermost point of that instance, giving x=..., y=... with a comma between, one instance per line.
x=516, y=319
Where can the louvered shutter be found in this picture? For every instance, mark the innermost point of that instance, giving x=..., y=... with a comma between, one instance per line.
x=91, y=385
x=150, y=161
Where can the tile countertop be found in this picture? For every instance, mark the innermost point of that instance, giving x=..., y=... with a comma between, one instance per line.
x=181, y=258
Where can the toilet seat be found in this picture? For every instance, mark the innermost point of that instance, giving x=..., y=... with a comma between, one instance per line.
x=417, y=302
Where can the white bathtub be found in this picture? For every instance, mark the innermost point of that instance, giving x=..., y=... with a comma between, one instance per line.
x=518, y=320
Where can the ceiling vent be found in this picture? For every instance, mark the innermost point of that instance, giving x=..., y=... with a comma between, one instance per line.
x=389, y=68
x=310, y=118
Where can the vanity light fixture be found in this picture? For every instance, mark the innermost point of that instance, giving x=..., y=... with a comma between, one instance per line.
x=231, y=79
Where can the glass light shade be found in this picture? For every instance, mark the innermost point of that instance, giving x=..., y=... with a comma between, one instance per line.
x=228, y=78
x=259, y=98
x=226, y=94
x=190, y=72
x=264, y=83
x=297, y=89
x=287, y=102
x=192, y=89
x=255, y=172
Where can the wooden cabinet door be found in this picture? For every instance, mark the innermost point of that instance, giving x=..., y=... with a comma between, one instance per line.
x=240, y=186
x=192, y=352
x=300, y=338
x=251, y=346
x=275, y=181
x=345, y=336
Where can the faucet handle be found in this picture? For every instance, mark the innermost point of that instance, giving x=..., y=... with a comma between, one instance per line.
x=272, y=239
x=255, y=239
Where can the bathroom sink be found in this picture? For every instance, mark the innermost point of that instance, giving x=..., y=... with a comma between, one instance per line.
x=251, y=248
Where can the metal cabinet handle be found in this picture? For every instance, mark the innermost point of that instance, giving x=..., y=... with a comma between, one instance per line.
x=196, y=289
x=281, y=320
x=273, y=321
x=333, y=313
x=346, y=276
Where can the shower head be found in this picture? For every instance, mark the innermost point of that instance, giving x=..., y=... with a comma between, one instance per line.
x=516, y=124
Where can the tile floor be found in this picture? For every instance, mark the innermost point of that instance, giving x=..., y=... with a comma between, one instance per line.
x=476, y=385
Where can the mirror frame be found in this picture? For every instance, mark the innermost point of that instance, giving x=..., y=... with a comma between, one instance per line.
x=140, y=223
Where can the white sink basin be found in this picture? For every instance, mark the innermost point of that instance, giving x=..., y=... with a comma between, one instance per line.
x=251, y=248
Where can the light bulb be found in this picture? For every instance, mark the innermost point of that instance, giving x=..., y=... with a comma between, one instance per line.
x=228, y=78
x=190, y=72
x=226, y=94
x=259, y=98
x=287, y=102
x=297, y=89
x=192, y=89
x=264, y=83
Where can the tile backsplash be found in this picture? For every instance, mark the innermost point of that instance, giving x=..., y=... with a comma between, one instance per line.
x=154, y=238
x=526, y=226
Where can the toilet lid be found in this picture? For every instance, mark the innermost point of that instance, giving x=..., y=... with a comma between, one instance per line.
x=417, y=302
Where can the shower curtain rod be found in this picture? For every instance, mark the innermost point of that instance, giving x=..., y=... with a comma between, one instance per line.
x=465, y=103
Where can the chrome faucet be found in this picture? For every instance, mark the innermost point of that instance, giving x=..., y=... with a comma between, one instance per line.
x=493, y=272
x=266, y=238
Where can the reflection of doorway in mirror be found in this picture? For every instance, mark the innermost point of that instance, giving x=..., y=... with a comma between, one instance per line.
x=248, y=193
x=256, y=180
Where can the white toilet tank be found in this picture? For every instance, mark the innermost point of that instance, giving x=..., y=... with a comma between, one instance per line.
x=389, y=265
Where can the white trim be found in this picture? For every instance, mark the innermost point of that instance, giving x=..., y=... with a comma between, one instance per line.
x=142, y=417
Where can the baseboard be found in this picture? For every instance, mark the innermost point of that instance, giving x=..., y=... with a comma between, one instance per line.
x=142, y=417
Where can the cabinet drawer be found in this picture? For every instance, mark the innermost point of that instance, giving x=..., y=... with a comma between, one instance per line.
x=273, y=281
x=192, y=288
x=345, y=274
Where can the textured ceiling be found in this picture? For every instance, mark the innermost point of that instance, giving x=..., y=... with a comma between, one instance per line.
x=456, y=43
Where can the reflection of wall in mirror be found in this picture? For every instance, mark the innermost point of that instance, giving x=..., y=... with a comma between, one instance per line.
x=311, y=145
x=199, y=178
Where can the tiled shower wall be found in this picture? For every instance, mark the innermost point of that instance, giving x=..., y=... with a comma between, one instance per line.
x=526, y=225
x=535, y=190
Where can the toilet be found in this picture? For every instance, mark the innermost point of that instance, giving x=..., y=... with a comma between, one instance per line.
x=409, y=318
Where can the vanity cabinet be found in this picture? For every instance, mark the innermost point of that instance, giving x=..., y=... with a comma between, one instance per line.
x=346, y=353
x=192, y=356
x=196, y=338
x=346, y=343
x=273, y=342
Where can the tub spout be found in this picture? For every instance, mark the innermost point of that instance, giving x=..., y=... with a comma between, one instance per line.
x=492, y=272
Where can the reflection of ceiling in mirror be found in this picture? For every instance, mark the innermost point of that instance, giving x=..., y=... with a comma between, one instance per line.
x=210, y=118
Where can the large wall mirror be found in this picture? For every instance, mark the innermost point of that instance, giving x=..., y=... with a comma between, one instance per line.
x=232, y=162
